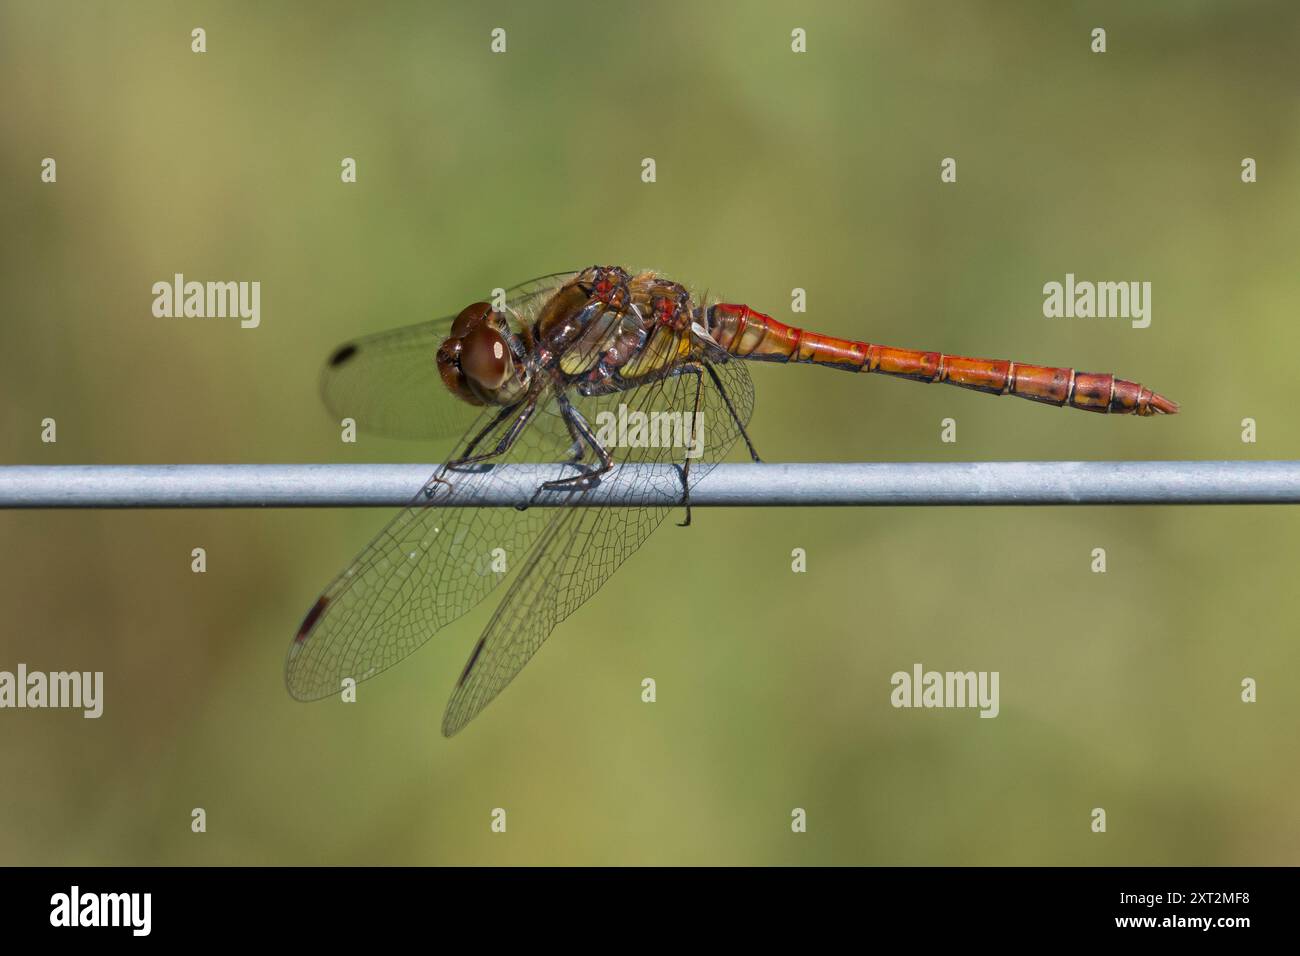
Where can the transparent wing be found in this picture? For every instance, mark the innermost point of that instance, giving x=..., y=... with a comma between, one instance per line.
x=582, y=547
x=389, y=383
x=537, y=290
x=429, y=566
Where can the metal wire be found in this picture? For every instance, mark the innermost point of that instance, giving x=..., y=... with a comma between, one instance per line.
x=727, y=485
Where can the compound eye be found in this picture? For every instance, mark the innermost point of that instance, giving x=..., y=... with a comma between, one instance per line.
x=449, y=369
x=470, y=318
x=484, y=356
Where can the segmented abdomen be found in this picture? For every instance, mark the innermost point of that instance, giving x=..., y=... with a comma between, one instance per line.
x=748, y=334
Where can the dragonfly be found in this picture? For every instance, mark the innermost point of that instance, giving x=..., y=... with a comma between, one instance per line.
x=582, y=371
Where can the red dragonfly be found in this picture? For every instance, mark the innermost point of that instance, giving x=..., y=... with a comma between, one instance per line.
x=584, y=370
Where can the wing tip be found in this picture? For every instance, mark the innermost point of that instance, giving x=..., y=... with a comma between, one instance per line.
x=311, y=619
x=342, y=354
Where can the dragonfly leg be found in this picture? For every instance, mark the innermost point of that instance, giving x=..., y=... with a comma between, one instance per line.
x=576, y=450
x=692, y=368
x=507, y=440
x=697, y=369
x=503, y=446
x=588, y=478
x=686, y=368
x=467, y=456
x=695, y=422
x=732, y=411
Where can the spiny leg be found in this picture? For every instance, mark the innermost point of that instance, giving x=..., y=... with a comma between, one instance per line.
x=576, y=452
x=507, y=440
x=588, y=436
x=732, y=410
x=501, y=416
x=686, y=368
x=695, y=423
x=503, y=446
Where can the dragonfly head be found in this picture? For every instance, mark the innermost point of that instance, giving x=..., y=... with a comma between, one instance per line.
x=480, y=360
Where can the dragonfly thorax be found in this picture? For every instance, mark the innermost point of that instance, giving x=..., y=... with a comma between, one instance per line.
x=482, y=360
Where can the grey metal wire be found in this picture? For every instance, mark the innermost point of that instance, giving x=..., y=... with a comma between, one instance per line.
x=727, y=485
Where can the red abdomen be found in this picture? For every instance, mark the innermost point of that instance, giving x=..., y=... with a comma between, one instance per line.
x=748, y=334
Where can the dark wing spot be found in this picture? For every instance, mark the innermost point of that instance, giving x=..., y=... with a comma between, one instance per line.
x=344, y=353
x=469, y=665
x=312, y=617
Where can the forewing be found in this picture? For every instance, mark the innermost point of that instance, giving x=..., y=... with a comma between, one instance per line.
x=389, y=383
x=429, y=566
x=582, y=547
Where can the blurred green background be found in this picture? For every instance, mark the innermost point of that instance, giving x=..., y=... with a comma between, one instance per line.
x=775, y=171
